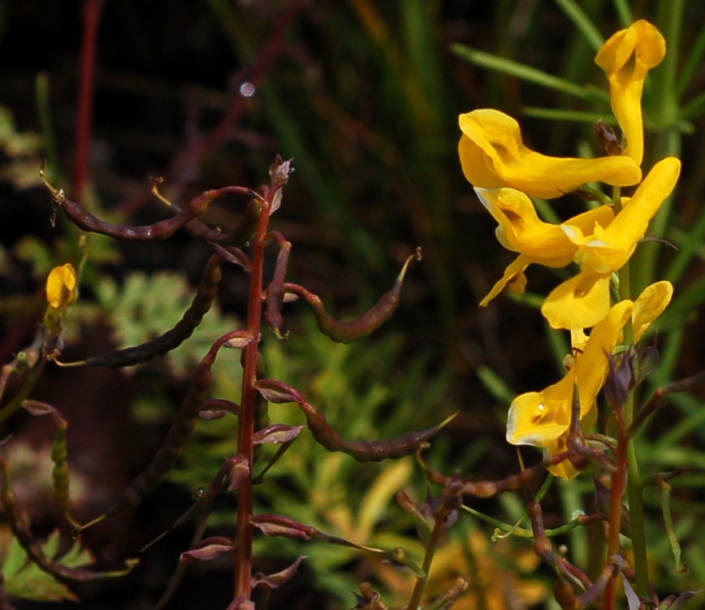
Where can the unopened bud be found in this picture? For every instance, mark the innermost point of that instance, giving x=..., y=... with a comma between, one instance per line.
x=648, y=361
x=620, y=379
x=607, y=139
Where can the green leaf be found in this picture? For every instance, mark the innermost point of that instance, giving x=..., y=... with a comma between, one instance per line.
x=582, y=23
x=495, y=385
x=524, y=72
x=577, y=116
x=35, y=252
x=26, y=580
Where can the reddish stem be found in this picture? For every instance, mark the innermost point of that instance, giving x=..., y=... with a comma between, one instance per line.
x=193, y=153
x=246, y=420
x=91, y=15
x=617, y=491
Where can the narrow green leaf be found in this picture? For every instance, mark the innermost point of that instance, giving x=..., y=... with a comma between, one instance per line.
x=624, y=12
x=694, y=108
x=577, y=116
x=690, y=244
x=560, y=347
x=495, y=385
x=685, y=304
x=693, y=63
x=582, y=23
x=668, y=523
x=521, y=71
x=672, y=437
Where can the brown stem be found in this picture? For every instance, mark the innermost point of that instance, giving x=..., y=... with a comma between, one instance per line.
x=246, y=420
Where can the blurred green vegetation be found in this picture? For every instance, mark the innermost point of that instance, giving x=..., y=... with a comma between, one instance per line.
x=364, y=96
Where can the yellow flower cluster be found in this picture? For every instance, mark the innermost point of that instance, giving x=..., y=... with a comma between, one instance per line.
x=505, y=174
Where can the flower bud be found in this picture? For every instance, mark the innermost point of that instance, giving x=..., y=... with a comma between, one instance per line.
x=607, y=139
x=620, y=379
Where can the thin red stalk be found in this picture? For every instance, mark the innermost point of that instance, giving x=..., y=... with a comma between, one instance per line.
x=617, y=492
x=246, y=419
x=199, y=147
x=275, y=47
x=91, y=15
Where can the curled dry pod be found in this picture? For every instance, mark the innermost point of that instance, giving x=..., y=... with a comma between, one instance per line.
x=163, y=229
x=371, y=320
x=245, y=230
x=363, y=451
x=179, y=432
x=171, y=339
x=239, y=236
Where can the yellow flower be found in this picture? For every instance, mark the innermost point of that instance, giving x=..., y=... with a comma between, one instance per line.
x=61, y=287
x=649, y=306
x=542, y=419
x=493, y=155
x=583, y=300
x=626, y=58
x=521, y=230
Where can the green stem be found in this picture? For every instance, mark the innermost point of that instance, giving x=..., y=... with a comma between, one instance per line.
x=665, y=110
x=636, y=516
x=433, y=541
x=30, y=381
x=634, y=493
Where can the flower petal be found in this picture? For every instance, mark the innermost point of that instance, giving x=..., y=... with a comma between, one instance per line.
x=649, y=305
x=513, y=277
x=626, y=58
x=630, y=225
x=593, y=253
x=61, y=286
x=591, y=366
x=538, y=418
x=565, y=469
x=580, y=302
x=521, y=230
x=493, y=155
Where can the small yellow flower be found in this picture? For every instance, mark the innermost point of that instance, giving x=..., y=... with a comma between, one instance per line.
x=521, y=230
x=542, y=419
x=493, y=155
x=583, y=300
x=626, y=58
x=61, y=287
